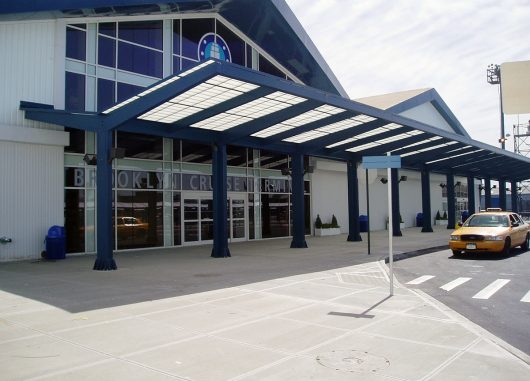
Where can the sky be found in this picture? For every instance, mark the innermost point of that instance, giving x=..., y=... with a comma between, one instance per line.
x=382, y=46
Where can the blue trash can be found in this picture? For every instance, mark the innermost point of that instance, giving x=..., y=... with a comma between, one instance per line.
x=56, y=243
x=465, y=216
x=363, y=223
x=419, y=220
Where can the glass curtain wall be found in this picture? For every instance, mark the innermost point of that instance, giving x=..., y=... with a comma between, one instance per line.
x=107, y=62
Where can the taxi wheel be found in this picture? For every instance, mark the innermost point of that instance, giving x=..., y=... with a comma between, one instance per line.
x=526, y=242
x=507, y=247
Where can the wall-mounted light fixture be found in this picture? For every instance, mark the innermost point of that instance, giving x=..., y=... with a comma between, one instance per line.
x=384, y=180
x=288, y=172
x=442, y=185
x=457, y=184
x=90, y=159
x=403, y=178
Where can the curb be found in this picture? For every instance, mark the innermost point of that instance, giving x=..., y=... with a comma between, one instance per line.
x=415, y=253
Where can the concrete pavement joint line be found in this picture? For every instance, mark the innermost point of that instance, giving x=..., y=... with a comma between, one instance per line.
x=278, y=315
x=301, y=353
x=215, y=332
x=404, y=340
x=63, y=371
x=450, y=360
x=476, y=329
x=108, y=355
x=336, y=285
x=384, y=271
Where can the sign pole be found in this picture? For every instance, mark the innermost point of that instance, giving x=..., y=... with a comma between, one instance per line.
x=390, y=249
x=367, y=210
x=388, y=162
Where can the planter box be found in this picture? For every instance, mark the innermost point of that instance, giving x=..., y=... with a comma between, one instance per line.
x=330, y=231
x=440, y=222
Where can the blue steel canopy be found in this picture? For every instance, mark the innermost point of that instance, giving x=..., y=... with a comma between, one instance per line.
x=219, y=102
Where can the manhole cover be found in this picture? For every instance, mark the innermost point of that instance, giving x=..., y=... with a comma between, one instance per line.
x=351, y=360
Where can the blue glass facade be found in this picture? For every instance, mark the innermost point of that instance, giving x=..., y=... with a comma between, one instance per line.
x=162, y=188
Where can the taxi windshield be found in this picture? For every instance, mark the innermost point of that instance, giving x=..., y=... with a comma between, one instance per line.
x=487, y=220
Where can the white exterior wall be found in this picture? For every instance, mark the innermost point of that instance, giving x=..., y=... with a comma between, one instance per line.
x=27, y=69
x=330, y=195
x=427, y=113
x=31, y=153
x=31, y=196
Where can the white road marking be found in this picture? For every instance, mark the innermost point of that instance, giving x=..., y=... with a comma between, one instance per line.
x=526, y=298
x=421, y=279
x=491, y=289
x=455, y=283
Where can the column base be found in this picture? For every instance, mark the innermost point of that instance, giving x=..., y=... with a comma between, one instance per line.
x=397, y=234
x=223, y=253
x=105, y=264
x=450, y=227
x=298, y=244
x=427, y=230
x=354, y=238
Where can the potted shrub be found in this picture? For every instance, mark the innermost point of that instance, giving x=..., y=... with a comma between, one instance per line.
x=331, y=228
x=443, y=220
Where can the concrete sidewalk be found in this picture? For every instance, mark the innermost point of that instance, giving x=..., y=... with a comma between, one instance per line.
x=267, y=313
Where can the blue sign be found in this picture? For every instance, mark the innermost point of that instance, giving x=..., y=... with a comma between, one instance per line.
x=376, y=162
x=213, y=46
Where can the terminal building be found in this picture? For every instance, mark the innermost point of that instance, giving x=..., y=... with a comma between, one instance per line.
x=146, y=125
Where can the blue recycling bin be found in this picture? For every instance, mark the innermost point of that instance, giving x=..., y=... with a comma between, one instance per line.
x=419, y=220
x=56, y=243
x=363, y=223
x=465, y=216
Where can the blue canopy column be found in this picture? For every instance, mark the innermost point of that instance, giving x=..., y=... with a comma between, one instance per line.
x=515, y=207
x=104, y=258
x=220, y=196
x=502, y=194
x=451, y=207
x=471, y=194
x=396, y=215
x=353, y=203
x=487, y=193
x=297, y=200
x=426, y=200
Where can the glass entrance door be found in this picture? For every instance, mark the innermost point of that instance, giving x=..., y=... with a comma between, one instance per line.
x=237, y=218
x=198, y=218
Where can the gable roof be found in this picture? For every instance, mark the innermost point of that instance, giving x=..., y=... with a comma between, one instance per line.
x=402, y=101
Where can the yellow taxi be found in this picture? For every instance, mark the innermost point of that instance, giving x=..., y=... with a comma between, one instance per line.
x=491, y=231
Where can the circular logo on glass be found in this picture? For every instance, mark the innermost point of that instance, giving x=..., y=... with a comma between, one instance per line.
x=212, y=47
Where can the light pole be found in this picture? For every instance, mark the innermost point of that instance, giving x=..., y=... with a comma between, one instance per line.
x=493, y=74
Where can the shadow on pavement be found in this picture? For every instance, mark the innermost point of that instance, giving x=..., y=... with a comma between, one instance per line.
x=148, y=275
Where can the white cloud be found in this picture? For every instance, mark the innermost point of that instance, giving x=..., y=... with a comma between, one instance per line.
x=377, y=46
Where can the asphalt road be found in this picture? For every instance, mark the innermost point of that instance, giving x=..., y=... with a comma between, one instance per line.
x=498, y=308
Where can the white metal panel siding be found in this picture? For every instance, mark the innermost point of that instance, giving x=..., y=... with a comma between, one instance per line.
x=26, y=68
x=329, y=193
x=427, y=113
x=31, y=197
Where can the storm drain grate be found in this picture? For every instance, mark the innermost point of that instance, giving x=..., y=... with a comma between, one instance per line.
x=351, y=360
